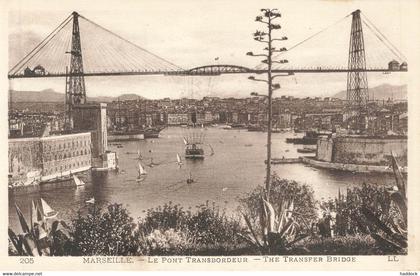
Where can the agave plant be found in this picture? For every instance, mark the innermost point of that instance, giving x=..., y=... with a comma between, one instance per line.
x=40, y=238
x=279, y=229
x=391, y=235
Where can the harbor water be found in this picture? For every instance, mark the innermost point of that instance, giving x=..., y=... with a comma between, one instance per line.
x=233, y=166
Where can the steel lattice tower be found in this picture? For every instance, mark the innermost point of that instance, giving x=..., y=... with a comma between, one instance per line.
x=75, y=81
x=357, y=83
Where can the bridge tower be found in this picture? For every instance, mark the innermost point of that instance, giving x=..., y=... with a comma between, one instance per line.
x=75, y=81
x=357, y=83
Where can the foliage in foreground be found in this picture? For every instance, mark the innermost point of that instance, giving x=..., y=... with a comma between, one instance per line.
x=380, y=212
x=111, y=232
x=277, y=223
x=391, y=234
x=359, y=244
x=169, y=229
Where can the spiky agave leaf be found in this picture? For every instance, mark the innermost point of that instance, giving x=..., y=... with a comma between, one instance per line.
x=290, y=209
x=263, y=221
x=372, y=219
x=270, y=216
x=399, y=179
x=29, y=244
x=42, y=240
x=284, y=216
x=386, y=243
x=17, y=243
x=287, y=226
x=399, y=201
x=252, y=241
x=22, y=220
x=281, y=215
x=254, y=236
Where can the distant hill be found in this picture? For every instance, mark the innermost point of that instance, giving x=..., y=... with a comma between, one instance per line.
x=47, y=95
x=51, y=96
x=128, y=97
x=382, y=92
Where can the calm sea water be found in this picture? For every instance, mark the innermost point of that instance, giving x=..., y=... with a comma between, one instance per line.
x=234, y=165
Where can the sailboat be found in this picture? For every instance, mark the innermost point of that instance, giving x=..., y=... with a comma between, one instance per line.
x=139, y=157
x=178, y=160
x=91, y=201
x=49, y=213
x=190, y=179
x=77, y=181
x=141, y=170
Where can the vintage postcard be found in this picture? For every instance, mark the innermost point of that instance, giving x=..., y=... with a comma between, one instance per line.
x=210, y=135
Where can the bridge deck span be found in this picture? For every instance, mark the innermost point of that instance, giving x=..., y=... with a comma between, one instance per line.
x=203, y=73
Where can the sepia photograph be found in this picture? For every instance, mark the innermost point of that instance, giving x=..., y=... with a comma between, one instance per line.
x=208, y=128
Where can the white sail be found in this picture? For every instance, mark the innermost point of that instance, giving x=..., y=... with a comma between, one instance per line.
x=141, y=170
x=77, y=181
x=91, y=201
x=178, y=159
x=185, y=141
x=48, y=211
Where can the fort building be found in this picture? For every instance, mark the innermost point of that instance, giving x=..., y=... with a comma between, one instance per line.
x=43, y=158
x=92, y=117
x=362, y=150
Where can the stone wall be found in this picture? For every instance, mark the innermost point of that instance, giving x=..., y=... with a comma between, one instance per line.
x=324, y=149
x=65, y=153
x=25, y=160
x=43, y=158
x=368, y=150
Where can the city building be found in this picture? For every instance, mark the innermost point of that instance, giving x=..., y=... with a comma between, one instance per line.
x=178, y=119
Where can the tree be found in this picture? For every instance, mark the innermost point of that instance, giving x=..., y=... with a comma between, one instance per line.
x=268, y=18
x=108, y=233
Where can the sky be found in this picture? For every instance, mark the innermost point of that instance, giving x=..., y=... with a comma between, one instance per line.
x=193, y=33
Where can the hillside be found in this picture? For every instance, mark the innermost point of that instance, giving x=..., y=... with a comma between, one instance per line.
x=382, y=92
x=47, y=95
x=51, y=96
